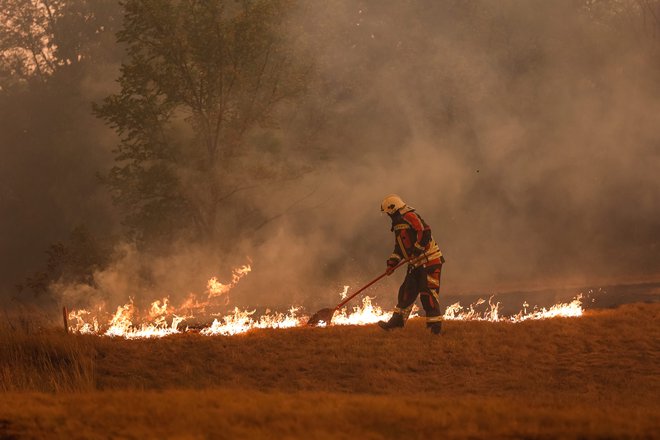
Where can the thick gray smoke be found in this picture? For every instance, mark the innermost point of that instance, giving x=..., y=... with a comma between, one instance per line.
x=524, y=132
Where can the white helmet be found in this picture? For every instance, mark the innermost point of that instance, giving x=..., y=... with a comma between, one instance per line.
x=392, y=204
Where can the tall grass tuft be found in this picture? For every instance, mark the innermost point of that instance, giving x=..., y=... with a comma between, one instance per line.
x=47, y=360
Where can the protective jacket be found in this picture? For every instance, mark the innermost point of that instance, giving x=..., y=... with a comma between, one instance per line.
x=413, y=238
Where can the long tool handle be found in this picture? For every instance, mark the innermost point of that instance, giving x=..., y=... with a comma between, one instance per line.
x=341, y=304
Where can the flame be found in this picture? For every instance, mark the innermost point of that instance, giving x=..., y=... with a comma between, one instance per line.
x=363, y=314
x=81, y=325
x=455, y=311
x=572, y=309
x=121, y=320
x=126, y=320
x=192, y=305
x=121, y=323
x=216, y=288
x=161, y=318
x=242, y=321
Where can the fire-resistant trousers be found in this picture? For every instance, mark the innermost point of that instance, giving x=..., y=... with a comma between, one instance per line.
x=425, y=282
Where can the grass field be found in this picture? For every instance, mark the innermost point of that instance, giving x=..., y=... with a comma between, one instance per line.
x=592, y=377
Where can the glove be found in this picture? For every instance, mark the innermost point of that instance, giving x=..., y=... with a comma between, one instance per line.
x=416, y=251
x=391, y=265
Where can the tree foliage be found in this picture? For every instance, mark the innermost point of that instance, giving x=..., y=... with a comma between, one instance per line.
x=73, y=261
x=200, y=75
x=54, y=56
x=39, y=38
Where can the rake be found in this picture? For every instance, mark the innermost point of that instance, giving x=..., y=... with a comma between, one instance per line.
x=325, y=315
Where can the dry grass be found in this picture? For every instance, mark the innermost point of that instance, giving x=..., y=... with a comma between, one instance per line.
x=253, y=414
x=598, y=376
x=48, y=361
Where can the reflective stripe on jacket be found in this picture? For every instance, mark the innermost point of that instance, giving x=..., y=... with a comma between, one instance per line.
x=411, y=232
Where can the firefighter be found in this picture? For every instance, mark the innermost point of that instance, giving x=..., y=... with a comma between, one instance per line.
x=413, y=240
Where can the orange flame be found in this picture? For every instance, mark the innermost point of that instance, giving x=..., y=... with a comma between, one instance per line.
x=216, y=288
x=455, y=311
x=125, y=321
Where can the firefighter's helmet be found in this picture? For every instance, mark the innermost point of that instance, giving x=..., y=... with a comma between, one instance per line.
x=392, y=204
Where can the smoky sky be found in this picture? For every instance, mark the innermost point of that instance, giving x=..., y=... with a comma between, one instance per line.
x=524, y=132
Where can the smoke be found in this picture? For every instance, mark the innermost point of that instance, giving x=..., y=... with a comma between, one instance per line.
x=525, y=133
x=48, y=178
x=135, y=275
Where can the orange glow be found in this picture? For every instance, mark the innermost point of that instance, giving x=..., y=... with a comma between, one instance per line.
x=162, y=319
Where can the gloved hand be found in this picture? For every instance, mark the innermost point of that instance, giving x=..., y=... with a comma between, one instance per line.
x=391, y=264
x=416, y=252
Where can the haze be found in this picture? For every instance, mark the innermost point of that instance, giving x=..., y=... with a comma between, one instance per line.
x=524, y=132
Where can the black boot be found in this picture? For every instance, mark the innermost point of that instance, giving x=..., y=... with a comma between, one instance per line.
x=435, y=327
x=396, y=321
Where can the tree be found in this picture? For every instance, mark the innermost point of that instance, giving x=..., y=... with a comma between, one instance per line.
x=39, y=38
x=26, y=39
x=200, y=75
x=49, y=138
x=74, y=261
